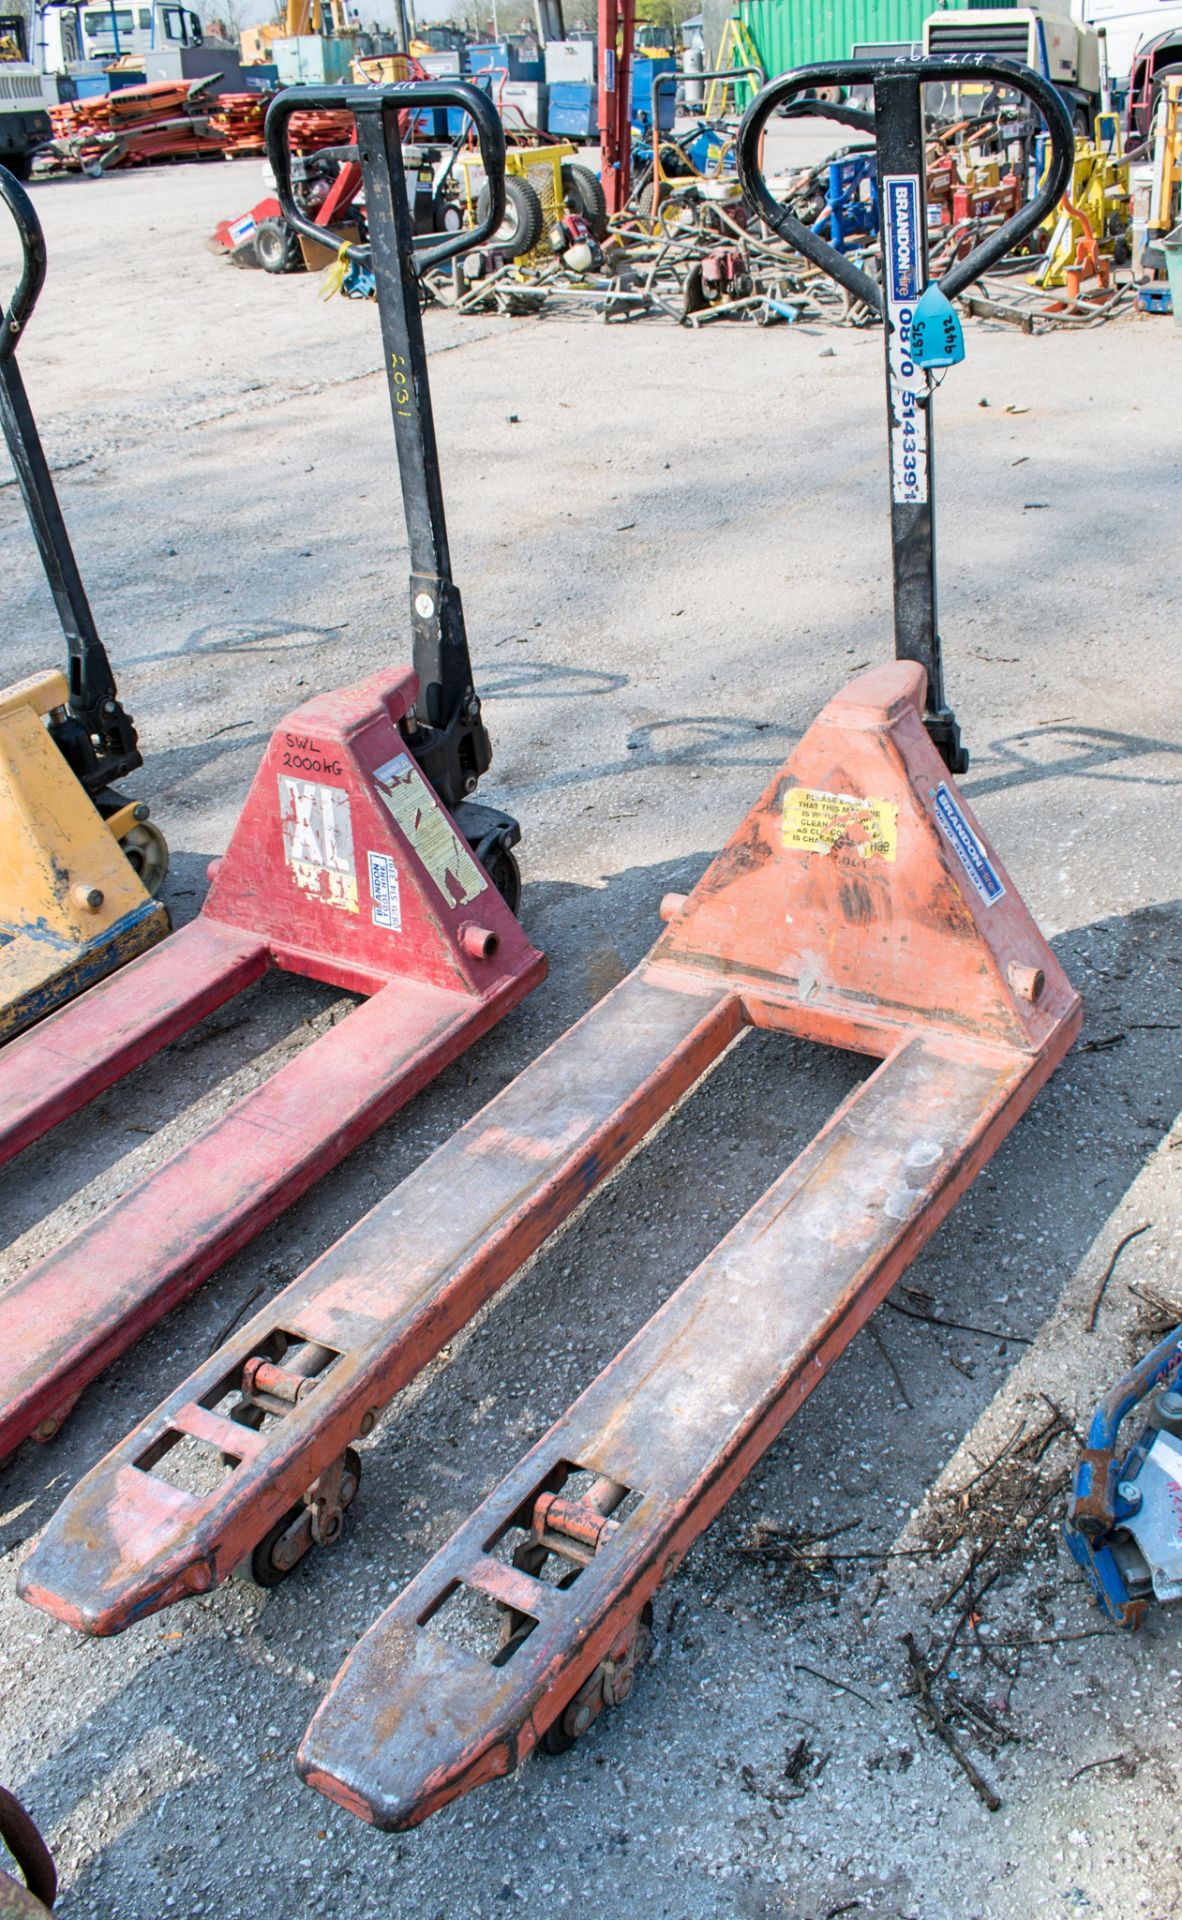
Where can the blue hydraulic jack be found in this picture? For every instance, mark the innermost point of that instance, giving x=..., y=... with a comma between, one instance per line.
x=1124, y=1522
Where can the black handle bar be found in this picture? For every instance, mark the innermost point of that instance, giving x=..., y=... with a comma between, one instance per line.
x=664, y=81
x=822, y=109
x=851, y=73
x=28, y=226
x=416, y=97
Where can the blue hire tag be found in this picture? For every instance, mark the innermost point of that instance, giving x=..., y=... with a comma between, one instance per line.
x=936, y=336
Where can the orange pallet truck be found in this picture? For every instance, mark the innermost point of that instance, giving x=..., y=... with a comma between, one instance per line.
x=860, y=906
x=360, y=860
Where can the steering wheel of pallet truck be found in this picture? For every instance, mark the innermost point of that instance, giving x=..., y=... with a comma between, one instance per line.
x=394, y=100
x=28, y=226
x=852, y=73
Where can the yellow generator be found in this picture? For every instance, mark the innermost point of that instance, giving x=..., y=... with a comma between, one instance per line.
x=540, y=183
x=79, y=863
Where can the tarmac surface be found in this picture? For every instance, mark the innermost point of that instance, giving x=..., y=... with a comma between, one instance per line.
x=672, y=548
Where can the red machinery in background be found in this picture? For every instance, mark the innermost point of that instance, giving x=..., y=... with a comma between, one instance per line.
x=617, y=29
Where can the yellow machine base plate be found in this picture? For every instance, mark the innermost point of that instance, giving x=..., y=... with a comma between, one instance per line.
x=39, y=970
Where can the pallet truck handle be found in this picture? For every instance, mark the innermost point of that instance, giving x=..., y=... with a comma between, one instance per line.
x=416, y=97
x=445, y=731
x=23, y=1840
x=850, y=73
x=96, y=736
x=815, y=109
x=666, y=81
x=19, y=309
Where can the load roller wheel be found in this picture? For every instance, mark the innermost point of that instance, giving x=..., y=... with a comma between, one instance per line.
x=263, y=1570
x=609, y=1686
x=505, y=874
x=147, y=852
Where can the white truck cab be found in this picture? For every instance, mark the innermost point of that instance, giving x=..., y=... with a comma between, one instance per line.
x=74, y=35
x=1044, y=37
x=25, y=99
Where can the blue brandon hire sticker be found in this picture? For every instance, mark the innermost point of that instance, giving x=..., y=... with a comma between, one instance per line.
x=902, y=207
x=904, y=267
x=385, y=892
x=967, y=847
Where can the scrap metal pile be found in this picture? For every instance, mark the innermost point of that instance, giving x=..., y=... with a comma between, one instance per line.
x=688, y=249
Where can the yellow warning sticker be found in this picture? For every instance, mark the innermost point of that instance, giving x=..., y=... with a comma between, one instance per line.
x=815, y=822
x=430, y=832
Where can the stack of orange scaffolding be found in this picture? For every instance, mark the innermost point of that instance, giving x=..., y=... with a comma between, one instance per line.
x=238, y=118
x=166, y=120
x=308, y=132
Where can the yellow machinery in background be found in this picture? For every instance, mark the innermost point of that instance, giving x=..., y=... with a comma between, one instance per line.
x=1091, y=225
x=1165, y=194
x=79, y=863
x=385, y=69
x=540, y=184
x=301, y=18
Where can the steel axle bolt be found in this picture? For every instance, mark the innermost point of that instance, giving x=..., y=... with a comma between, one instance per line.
x=89, y=899
x=1027, y=982
x=478, y=942
x=1129, y=1492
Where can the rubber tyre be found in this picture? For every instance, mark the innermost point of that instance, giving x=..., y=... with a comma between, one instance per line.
x=524, y=220
x=277, y=248
x=693, y=296
x=19, y=165
x=586, y=190
x=505, y=874
x=447, y=215
x=642, y=188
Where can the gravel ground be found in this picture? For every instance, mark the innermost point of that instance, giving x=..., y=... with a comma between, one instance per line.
x=672, y=547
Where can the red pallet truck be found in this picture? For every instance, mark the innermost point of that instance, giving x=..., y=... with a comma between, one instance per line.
x=859, y=905
x=360, y=860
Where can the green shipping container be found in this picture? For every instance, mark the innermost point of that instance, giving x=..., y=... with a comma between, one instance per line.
x=791, y=33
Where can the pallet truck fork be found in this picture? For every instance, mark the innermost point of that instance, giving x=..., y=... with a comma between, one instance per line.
x=79, y=863
x=359, y=860
x=859, y=905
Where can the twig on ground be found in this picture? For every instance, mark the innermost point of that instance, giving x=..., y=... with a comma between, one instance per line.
x=1105, y=1277
x=930, y=1712
x=967, y=1610
x=841, y=1685
x=995, y=1462
x=220, y=1339
x=1052, y=1639
x=1111, y=1760
x=885, y=1351
x=960, y=1326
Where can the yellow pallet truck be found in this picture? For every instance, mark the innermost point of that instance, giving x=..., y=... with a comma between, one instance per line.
x=79, y=863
